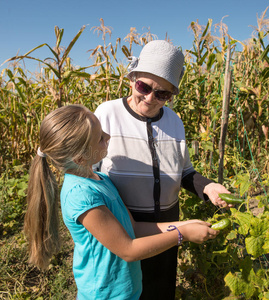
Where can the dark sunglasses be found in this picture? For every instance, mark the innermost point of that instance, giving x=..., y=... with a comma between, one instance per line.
x=145, y=89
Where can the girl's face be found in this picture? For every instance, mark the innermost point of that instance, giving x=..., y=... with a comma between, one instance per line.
x=99, y=142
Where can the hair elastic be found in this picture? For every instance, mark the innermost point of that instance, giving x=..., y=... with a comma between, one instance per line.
x=180, y=236
x=40, y=153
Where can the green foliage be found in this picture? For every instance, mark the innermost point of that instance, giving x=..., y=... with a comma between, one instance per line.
x=232, y=266
x=12, y=199
x=235, y=263
x=20, y=280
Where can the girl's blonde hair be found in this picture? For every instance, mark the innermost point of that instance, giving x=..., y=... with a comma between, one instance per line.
x=65, y=136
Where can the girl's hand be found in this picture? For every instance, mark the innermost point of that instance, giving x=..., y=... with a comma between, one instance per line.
x=198, y=232
x=181, y=223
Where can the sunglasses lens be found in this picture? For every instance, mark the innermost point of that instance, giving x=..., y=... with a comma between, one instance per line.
x=142, y=87
x=163, y=95
x=145, y=89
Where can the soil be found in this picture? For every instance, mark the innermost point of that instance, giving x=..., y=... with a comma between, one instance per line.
x=253, y=206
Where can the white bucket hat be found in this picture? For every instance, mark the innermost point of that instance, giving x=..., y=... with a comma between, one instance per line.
x=159, y=58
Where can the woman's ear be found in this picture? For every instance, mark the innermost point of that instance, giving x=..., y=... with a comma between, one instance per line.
x=132, y=83
x=171, y=102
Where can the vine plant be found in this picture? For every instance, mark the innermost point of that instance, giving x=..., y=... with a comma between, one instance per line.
x=234, y=265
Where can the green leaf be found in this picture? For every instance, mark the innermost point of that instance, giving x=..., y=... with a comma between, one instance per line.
x=125, y=51
x=260, y=278
x=20, y=92
x=209, y=23
x=211, y=60
x=231, y=235
x=207, y=145
x=59, y=34
x=266, y=295
x=243, y=180
x=264, y=74
x=264, y=54
x=254, y=246
x=238, y=286
x=219, y=58
x=22, y=185
x=242, y=219
x=245, y=266
x=244, y=186
x=81, y=74
x=21, y=193
x=33, y=58
x=201, y=61
x=266, y=246
x=255, y=243
x=259, y=226
x=221, y=252
x=70, y=46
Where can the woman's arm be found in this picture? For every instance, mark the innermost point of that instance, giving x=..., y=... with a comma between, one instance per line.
x=104, y=226
x=205, y=188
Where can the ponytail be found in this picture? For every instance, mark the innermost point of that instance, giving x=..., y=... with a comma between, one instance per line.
x=65, y=135
x=41, y=219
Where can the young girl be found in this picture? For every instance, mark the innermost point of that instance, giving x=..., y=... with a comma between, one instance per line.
x=108, y=242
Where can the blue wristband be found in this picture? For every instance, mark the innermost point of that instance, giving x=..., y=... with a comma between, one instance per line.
x=180, y=236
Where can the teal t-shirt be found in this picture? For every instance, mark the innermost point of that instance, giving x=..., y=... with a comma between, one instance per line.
x=99, y=274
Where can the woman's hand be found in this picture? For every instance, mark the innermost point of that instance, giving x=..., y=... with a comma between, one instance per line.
x=212, y=190
x=197, y=232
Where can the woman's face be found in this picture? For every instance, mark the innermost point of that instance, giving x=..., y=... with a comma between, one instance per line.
x=148, y=105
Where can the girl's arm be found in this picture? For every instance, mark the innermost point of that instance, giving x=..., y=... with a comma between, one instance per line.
x=104, y=226
x=142, y=229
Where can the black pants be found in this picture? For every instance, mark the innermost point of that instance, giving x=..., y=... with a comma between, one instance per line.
x=159, y=272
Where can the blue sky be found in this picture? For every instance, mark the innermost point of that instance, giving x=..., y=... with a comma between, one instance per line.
x=25, y=24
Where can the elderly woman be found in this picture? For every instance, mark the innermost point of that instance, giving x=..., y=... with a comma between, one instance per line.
x=148, y=159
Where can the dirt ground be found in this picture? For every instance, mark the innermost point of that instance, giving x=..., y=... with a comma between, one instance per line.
x=253, y=206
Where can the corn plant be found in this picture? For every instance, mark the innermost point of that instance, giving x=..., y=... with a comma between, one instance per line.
x=25, y=101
